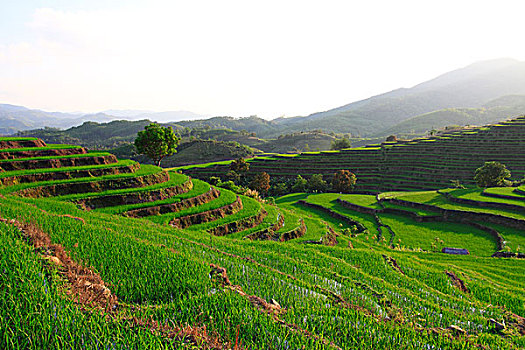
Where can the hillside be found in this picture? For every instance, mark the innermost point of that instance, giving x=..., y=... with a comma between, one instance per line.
x=108, y=253
x=469, y=87
x=119, y=133
x=424, y=163
x=490, y=112
x=16, y=118
x=450, y=95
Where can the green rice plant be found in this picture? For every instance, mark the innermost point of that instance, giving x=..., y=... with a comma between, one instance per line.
x=121, y=163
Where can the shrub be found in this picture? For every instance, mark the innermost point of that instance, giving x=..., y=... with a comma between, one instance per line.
x=343, y=181
x=492, y=174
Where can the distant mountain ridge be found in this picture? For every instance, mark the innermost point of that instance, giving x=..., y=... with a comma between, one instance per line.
x=468, y=87
x=431, y=104
x=17, y=118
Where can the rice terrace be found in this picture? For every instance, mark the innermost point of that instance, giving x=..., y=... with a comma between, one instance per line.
x=98, y=252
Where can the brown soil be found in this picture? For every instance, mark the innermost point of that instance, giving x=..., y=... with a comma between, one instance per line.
x=42, y=153
x=457, y=281
x=239, y=225
x=195, y=335
x=392, y=262
x=57, y=163
x=22, y=144
x=135, y=197
x=93, y=186
x=175, y=207
x=295, y=233
x=268, y=233
x=330, y=238
x=85, y=286
x=207, y=216
x=65, y=175
x=219, y=275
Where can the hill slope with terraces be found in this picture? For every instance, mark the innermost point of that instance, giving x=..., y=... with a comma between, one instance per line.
x=97, y=252
x=424, y=163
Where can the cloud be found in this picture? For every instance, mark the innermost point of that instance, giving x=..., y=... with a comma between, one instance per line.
x=240, y=58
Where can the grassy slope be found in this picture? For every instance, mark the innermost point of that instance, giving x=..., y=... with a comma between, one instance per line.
x=121, y=163
x=113, y=246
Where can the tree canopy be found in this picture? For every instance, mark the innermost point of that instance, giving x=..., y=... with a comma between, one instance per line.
x=261, y=182
x=341, y=143
x=344, y=181
x=299, y=184
x=492, y=174
x=316, y=183
x=156, y=142
x=239, y=165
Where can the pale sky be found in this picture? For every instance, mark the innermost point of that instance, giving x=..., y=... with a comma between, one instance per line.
x=240, y=58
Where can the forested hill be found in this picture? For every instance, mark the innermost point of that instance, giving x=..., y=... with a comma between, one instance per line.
x=469, y=87
x=481, y=93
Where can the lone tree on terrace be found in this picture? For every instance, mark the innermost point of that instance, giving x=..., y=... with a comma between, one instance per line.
x=156, y=142
x=341, y=143
x=492, y=174
x=344, y=181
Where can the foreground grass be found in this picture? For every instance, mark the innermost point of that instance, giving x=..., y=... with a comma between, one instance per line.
x=132, y=256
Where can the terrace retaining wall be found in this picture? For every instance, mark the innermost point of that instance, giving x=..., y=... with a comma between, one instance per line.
x=207, y=216
x=462, y=215
x=240, y=225
x=94, y=186
x=201, y=199
x=135, y=197
x=42, y=153
x=58, y=162
x=70, y=174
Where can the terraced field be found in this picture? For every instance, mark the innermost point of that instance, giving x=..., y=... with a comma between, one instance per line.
x=425, y=163
x=101, y=253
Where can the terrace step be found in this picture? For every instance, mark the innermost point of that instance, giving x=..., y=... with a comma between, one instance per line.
x=59, y=162
x=201, y=199
x=37, y=175
x=207, y=216
x=21, y=143
x=251, y=215
x=14, y=153
x=86, y=185
x=135, y=195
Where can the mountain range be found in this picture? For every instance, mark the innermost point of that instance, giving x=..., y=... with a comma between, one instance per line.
x=18, y=118
x=480, y=93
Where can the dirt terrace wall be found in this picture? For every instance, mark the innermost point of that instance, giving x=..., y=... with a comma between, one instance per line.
x=240, y=225
x=22, y=144
x=503, y=196
x=135, y=197
x=372, y=211
x=201, y=199
x=333, y=214
x=295, y=233
x=57, y=163
x=483, y=204
x=42, y=153
x=71, y=174
x=94, y=186
x=462, y=215
x=268, y=233
x=208, y=216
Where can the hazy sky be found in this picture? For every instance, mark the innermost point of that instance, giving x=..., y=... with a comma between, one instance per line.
x=239, y=58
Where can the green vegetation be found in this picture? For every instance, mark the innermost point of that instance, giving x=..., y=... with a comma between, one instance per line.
x=357, y=271
x=492, y=174
x=424, y=163
x=156, y=142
